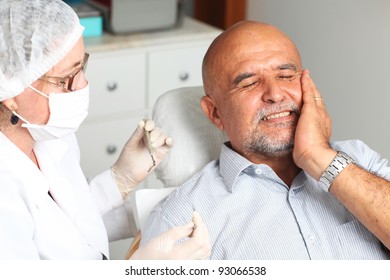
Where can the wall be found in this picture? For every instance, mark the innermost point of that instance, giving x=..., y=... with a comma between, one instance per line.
x=189, y=7
x=346, y=46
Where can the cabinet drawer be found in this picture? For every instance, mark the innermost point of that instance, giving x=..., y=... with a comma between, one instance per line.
x=117, y=83
x=171, y=69
x=101, y=143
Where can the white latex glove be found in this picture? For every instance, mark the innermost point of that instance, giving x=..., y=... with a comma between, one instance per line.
x=135, y=161
x=164, y=247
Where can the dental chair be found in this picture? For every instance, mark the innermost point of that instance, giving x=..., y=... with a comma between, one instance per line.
x=196, y=141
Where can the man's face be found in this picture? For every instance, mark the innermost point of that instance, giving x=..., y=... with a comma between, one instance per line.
x=260, y=96
x=272, y=121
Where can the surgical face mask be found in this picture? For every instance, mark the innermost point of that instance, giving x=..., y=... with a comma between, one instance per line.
x=67, y=112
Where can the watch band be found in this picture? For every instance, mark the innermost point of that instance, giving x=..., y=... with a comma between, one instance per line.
x=340, y=161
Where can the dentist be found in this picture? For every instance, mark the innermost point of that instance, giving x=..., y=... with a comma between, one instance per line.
x=48, y=210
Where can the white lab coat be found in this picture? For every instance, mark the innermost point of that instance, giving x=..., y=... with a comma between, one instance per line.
x=68, y=223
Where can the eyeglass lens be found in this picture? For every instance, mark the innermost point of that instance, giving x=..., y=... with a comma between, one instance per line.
x=75, y=79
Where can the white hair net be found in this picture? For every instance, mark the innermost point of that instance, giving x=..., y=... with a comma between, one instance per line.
x=34, y=36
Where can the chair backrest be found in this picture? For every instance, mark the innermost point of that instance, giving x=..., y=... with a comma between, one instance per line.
x=196, y=141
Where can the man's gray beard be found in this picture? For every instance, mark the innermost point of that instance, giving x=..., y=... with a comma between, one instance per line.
x=266, y=145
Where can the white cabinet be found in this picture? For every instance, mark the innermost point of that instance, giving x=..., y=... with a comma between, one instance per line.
x=101, y=142
x=117, y=83
x=174, y=68
x=126, y=75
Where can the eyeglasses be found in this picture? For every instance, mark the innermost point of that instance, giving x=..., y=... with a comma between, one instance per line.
x=70, y=82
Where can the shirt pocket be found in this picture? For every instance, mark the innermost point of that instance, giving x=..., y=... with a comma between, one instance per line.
x=357, y=243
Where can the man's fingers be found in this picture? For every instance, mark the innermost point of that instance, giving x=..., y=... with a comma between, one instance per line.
x=310, y=93
x=309, y=90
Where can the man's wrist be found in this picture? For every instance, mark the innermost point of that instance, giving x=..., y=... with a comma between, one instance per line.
x=338, y=164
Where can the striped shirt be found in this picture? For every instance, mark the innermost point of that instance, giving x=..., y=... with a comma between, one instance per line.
x=252, y=214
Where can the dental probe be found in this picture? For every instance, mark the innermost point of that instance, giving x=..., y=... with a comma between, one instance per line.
x=150, y=148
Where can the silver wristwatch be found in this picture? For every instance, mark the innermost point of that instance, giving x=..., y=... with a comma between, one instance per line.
x=337, y=165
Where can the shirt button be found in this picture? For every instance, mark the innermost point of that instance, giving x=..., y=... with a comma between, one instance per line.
x=311, y=238
x=258, y=171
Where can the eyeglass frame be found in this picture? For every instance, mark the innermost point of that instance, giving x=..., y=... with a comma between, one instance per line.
x=70, y=77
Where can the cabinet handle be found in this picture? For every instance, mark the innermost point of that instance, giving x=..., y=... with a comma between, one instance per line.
x=111, y=149
x=183, y=76
x=111, y=86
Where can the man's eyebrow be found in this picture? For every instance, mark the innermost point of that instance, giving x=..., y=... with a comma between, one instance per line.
x=242, y=77
x=288, y=66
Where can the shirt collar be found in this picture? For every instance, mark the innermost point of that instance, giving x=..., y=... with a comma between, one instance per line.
x=233, y=164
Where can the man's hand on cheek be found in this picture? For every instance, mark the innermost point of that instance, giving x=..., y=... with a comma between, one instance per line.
x=312, y=151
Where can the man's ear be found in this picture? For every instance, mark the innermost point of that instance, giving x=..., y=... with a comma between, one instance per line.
x=211, y=111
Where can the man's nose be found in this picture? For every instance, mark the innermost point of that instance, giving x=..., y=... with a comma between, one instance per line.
x=273, y=92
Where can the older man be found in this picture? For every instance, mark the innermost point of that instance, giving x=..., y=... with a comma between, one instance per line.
x=280, y=189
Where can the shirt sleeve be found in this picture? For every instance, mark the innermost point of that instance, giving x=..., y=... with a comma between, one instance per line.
x=117, y=213
x=155, y=225
x=365, y=157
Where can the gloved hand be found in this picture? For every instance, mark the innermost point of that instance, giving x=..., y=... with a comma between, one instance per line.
x=135, y=161
x=163, y=247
